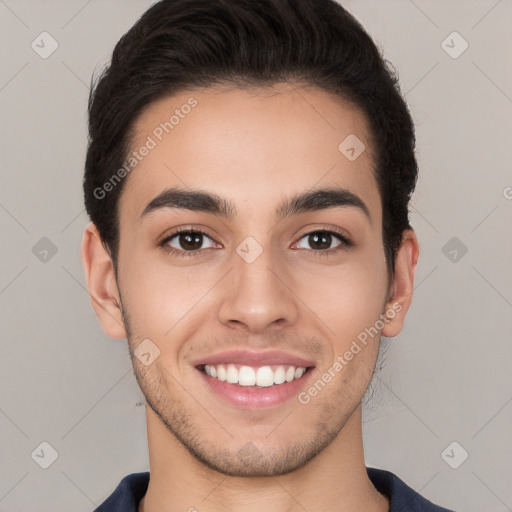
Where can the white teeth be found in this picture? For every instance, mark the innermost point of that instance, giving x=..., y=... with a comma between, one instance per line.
x=221, y=373
x=247, y=376
x=290, y=374
x=263, y=376
x=279, y=375
x=231, y=374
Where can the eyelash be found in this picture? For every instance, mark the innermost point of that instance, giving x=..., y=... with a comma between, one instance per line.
x=345, y=242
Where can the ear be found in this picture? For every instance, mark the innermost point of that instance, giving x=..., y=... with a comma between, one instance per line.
x=101, y=283
x=402, y=284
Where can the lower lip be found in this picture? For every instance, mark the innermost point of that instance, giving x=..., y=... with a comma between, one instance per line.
x=253, y=397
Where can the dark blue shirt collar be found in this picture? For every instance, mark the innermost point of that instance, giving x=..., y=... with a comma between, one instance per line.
x=402, y=498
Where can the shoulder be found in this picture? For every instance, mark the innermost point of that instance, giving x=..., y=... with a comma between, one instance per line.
x=401, y=497
x=127, y=495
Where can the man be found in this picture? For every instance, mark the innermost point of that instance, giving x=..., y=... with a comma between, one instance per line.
x=247, y=177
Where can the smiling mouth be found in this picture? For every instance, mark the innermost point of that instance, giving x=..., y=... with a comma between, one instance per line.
x=254, y=376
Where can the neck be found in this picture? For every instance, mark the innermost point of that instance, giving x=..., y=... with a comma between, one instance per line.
x=336, y=479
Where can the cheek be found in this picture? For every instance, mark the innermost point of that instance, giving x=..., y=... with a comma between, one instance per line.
x=163, y=300
x=348, y=298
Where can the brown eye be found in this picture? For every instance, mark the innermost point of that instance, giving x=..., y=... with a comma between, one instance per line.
x=186, y=241
x=321, y=242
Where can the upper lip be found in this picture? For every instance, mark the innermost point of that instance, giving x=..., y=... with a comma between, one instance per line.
x=248, y=358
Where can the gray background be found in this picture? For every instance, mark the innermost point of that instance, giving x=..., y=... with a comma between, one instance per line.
x=446, y=377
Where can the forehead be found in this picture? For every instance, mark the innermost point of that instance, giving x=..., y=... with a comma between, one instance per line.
x=253, y=147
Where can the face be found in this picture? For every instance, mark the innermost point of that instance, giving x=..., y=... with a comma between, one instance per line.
x=222, y=264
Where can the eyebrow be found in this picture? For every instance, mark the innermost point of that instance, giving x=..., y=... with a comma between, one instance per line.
x=203, y=201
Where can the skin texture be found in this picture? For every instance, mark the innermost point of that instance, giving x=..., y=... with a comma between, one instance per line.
x=254, y=148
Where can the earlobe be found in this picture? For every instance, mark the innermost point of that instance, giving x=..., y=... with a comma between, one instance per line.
x=101, y=283
x=402, y=284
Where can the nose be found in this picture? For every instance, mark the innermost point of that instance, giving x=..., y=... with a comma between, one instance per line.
x=257, y=296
